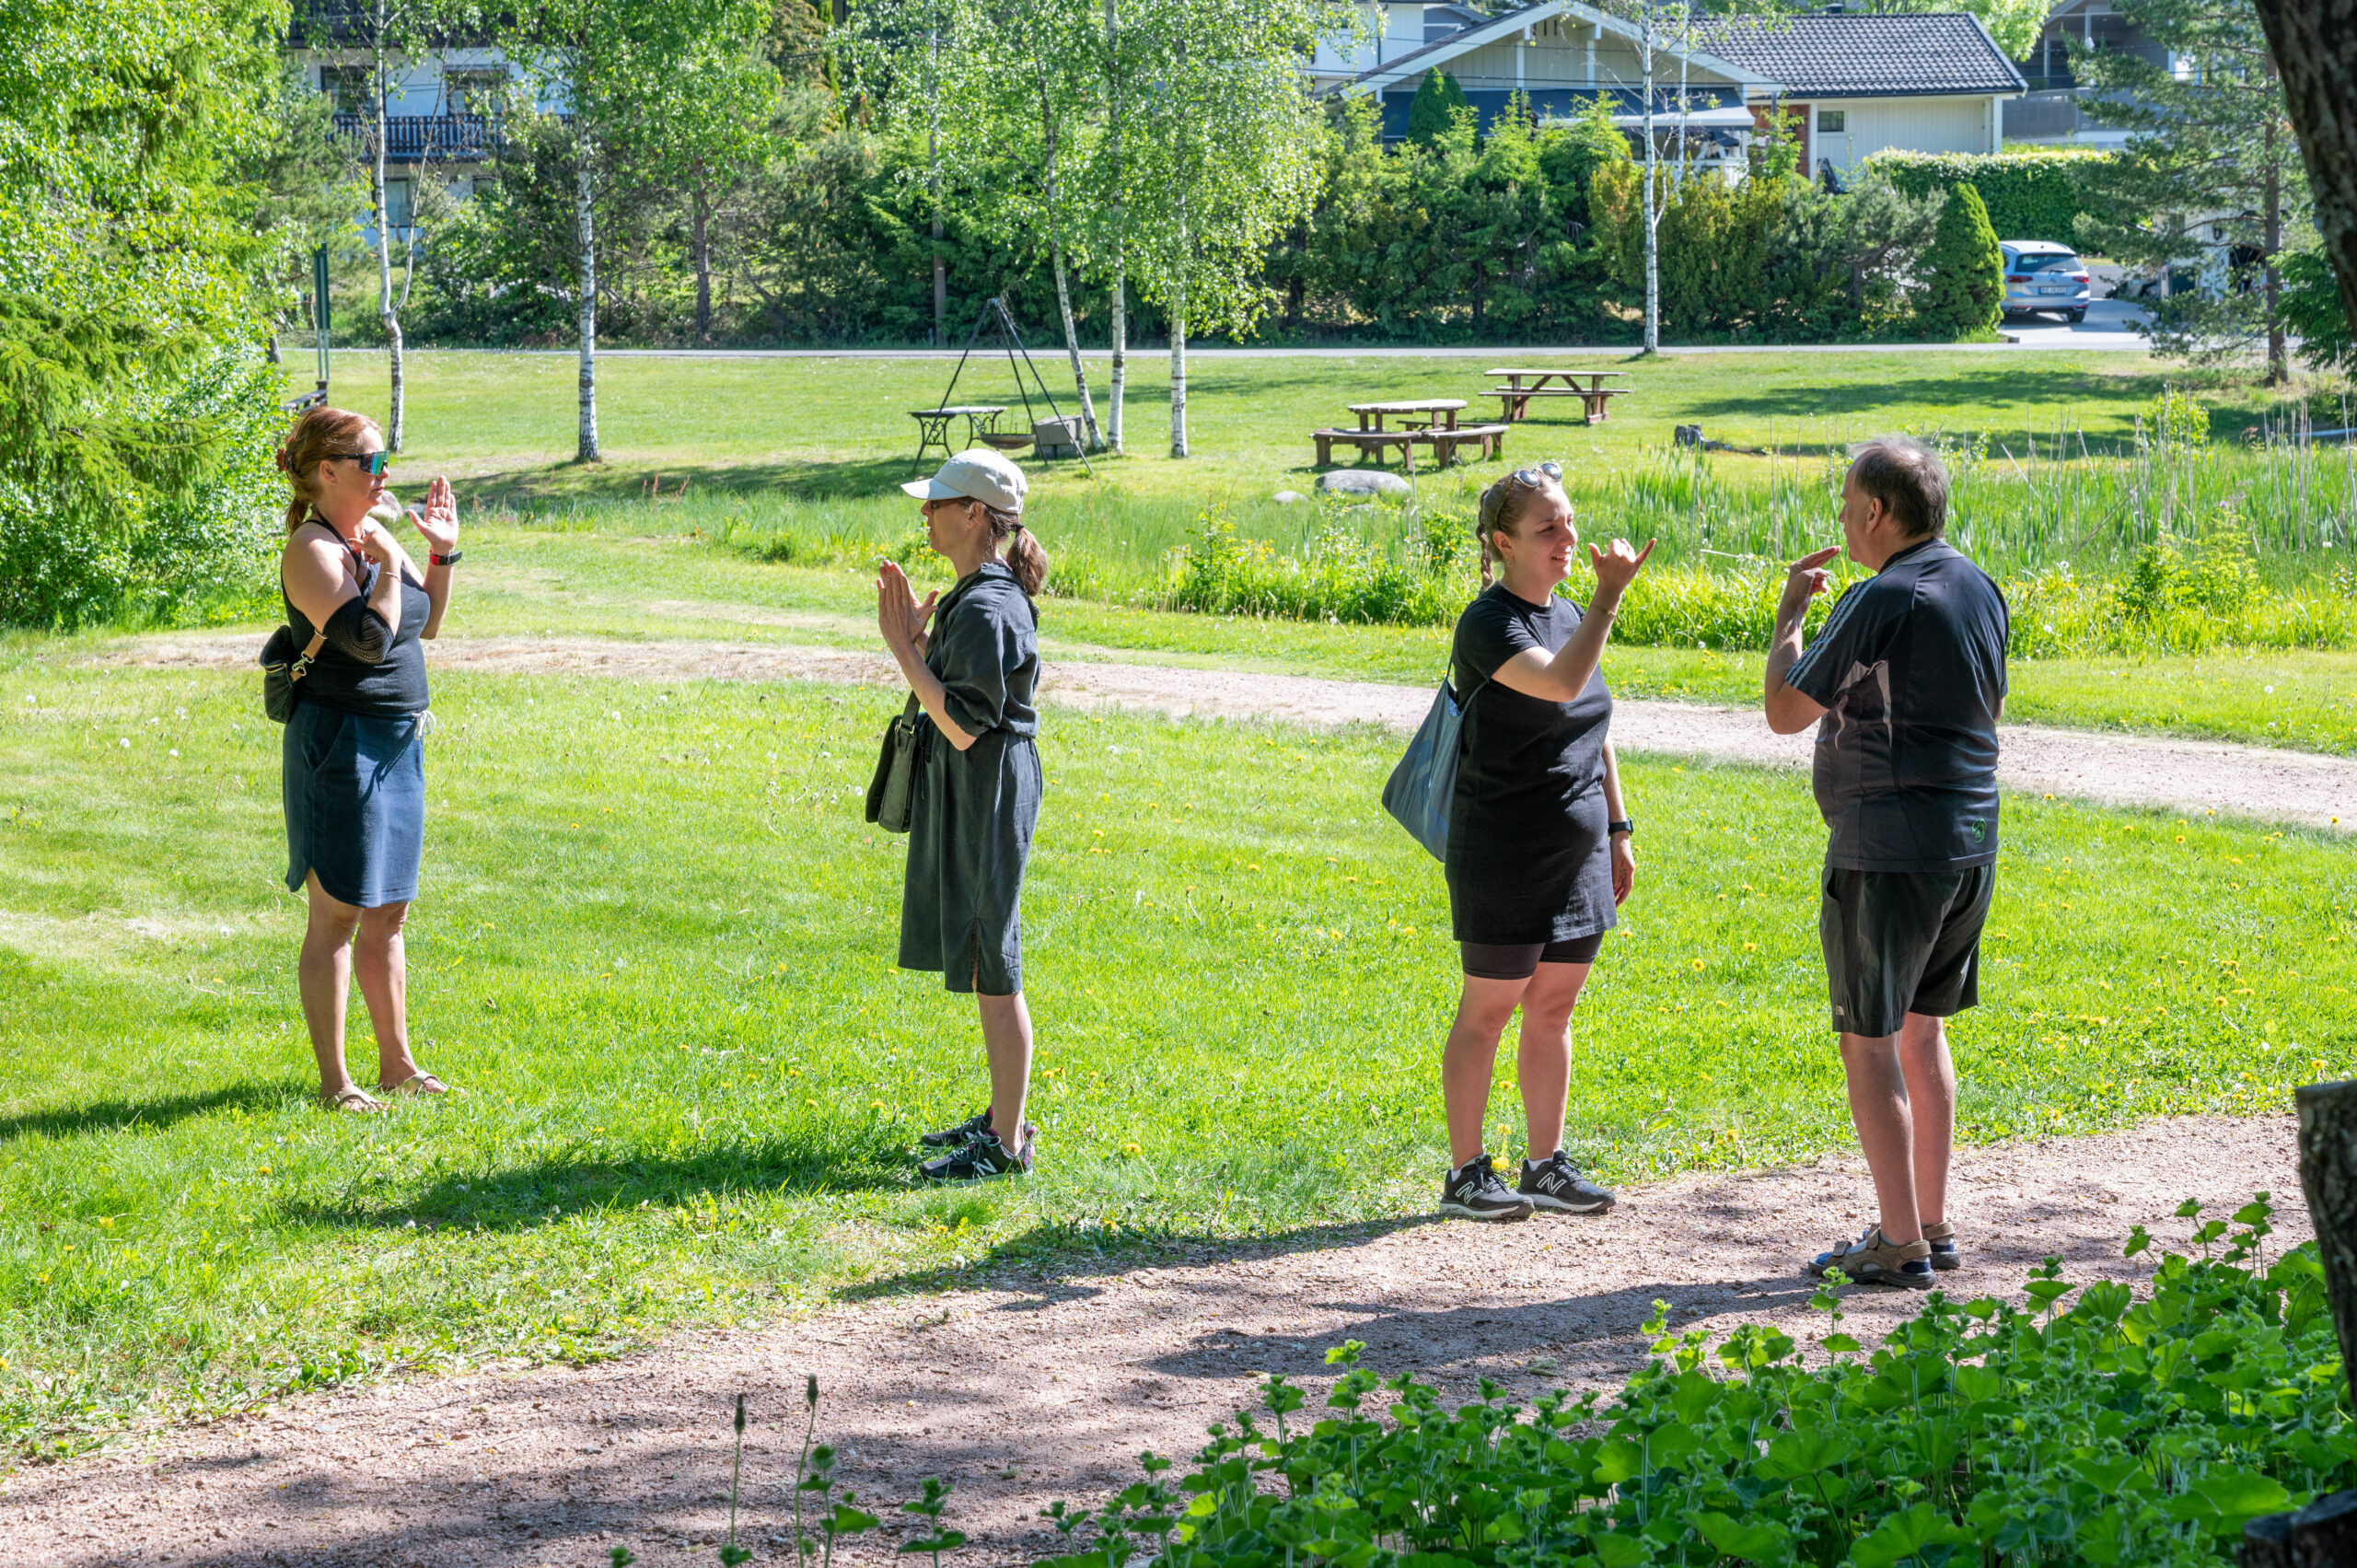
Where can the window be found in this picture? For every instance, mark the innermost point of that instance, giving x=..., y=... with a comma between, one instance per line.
x=1833, y=120
x=473, y=89
x=346, y=86
x=2047, y=262
x=397, y=206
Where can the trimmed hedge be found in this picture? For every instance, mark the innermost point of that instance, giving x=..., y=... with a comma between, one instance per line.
x=2030, y=196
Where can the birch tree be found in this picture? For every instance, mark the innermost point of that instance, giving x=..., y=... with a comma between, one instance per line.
x=1228, y=160
x=648, y=80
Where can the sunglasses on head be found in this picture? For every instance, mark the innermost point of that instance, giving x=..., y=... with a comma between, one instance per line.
x=374, y=462
x=1524, y=479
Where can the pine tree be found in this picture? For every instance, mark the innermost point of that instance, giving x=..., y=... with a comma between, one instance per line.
x=1438, y=100
x=2210, y=173
x=1965, y=291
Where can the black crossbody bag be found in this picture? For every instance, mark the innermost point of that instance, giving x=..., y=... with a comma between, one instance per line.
x=282, y=670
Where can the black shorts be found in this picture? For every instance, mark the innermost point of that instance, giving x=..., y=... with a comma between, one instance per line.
x=1901, y=942
x=1520, y=960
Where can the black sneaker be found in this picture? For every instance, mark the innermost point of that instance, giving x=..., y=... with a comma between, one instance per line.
x=1475, y=1193
x=958, y=1137
x=982, y=1158
x=1556, y=1183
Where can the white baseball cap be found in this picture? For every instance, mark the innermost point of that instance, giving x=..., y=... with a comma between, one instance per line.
x=977, y=475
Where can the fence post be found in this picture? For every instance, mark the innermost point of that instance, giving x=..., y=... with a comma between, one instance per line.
x=2326, y=1531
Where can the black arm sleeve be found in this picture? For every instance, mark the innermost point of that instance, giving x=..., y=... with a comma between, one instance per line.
x=358, y=632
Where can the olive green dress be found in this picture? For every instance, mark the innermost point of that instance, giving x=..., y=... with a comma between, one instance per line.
x=970, y=828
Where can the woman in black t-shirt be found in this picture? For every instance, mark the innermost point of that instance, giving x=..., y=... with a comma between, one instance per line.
x=354, y=774
x=1538, y=855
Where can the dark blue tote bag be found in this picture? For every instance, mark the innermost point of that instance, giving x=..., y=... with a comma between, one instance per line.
x=1420, y=787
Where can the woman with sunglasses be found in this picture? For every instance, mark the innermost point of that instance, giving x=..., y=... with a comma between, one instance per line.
x=978, y=782
x=1538, y=854
x=354, y=774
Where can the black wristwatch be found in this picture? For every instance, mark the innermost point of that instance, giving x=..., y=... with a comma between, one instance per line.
x=1622, y=826
x=437, y=559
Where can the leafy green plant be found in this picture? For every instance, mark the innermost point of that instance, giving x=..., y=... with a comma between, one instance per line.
x=2177, y=418
x=1966, y=291
x=2031, y=194
x=2107, y=1431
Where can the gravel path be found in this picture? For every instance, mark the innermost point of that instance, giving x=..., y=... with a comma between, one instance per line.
x=1027, y=1387
x=2114, y=769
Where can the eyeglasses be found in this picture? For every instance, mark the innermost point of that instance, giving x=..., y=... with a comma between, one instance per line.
x=1494, y=499
x=372, y=462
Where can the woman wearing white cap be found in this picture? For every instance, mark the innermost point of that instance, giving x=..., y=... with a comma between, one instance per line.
x=978, y=781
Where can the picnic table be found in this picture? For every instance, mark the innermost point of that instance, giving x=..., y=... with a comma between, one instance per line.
x=1430, y=422
x=932, y=425
x=1588, y=386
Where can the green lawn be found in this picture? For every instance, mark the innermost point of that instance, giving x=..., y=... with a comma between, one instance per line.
x=655, y=946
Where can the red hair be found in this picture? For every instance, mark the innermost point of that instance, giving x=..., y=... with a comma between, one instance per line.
x=320, y=432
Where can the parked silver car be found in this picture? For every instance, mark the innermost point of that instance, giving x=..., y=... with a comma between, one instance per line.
x=2044, y=276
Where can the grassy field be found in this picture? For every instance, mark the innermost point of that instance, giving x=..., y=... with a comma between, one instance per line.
x=656, y=945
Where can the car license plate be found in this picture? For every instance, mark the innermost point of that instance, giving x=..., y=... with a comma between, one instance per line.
x=2054, y=288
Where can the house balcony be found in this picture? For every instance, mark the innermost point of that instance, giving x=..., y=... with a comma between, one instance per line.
x=426, y=138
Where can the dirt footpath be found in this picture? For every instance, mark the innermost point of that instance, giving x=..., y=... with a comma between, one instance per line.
x=2112, y=770
x=1027, y=1388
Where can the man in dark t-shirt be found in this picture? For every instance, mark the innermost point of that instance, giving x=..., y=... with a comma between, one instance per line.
x=1905, y=683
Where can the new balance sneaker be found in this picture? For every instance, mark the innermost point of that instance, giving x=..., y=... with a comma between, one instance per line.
x=982, y=1158
x=1474, y=1192
x=1555, y=1183
x=1943, y=1239
x=959, y=1136
x=1874, y=1261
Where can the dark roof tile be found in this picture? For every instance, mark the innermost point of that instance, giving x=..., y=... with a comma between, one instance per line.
x=1859, y=54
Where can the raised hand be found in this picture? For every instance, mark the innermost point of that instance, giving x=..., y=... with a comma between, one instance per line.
x=899, y=615
x=1618, y=567
x=438, y=521
x=1805, y=579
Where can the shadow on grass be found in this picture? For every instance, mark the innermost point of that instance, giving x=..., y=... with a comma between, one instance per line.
x=555, y=1188
x=847, y=479
x=145, y=1115
x=2080, y=396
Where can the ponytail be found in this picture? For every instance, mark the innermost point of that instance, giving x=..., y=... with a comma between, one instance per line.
x=1024, y=556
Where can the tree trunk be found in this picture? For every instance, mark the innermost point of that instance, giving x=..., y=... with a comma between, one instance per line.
x=1178, y=371
x=386, y=314
x=1072, y=346
x=1118, y=378
x=1063, y=286
x=586, y=231
x=932, y=193
x=1652, y=198
x=2279, y=366
x=2314, y=46
x=700, y=243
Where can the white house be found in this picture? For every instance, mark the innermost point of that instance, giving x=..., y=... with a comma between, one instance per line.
x=1858, y=82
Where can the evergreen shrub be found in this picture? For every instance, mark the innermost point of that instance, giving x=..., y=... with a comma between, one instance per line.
x=1963, y=288
x=2030, y=195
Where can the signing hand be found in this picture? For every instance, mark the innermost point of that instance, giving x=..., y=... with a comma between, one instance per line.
x=900, y=616
x=1624, y=869
x=1618, y=567
x=1804, y=580
x=439, y=519
x=376, y=543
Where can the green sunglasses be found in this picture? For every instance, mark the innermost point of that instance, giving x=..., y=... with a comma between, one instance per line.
x=374, y=462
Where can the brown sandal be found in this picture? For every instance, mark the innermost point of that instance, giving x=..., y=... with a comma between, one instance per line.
x=355, y=1100
x=418, y=1084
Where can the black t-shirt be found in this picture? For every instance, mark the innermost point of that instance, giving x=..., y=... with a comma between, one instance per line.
x=394, y=687
x=1911, y=667
x=1527, y=858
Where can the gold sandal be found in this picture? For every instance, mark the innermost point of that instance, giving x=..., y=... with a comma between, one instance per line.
x=419, y=1083
x=355, y=1100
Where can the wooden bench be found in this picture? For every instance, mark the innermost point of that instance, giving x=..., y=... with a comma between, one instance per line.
x=1515, y=401
x=1444, y=441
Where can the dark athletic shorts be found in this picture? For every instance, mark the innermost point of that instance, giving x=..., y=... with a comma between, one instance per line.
x=1520, y=960
x=1901, y=942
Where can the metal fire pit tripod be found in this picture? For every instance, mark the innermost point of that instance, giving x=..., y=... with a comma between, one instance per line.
x=932, y=425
